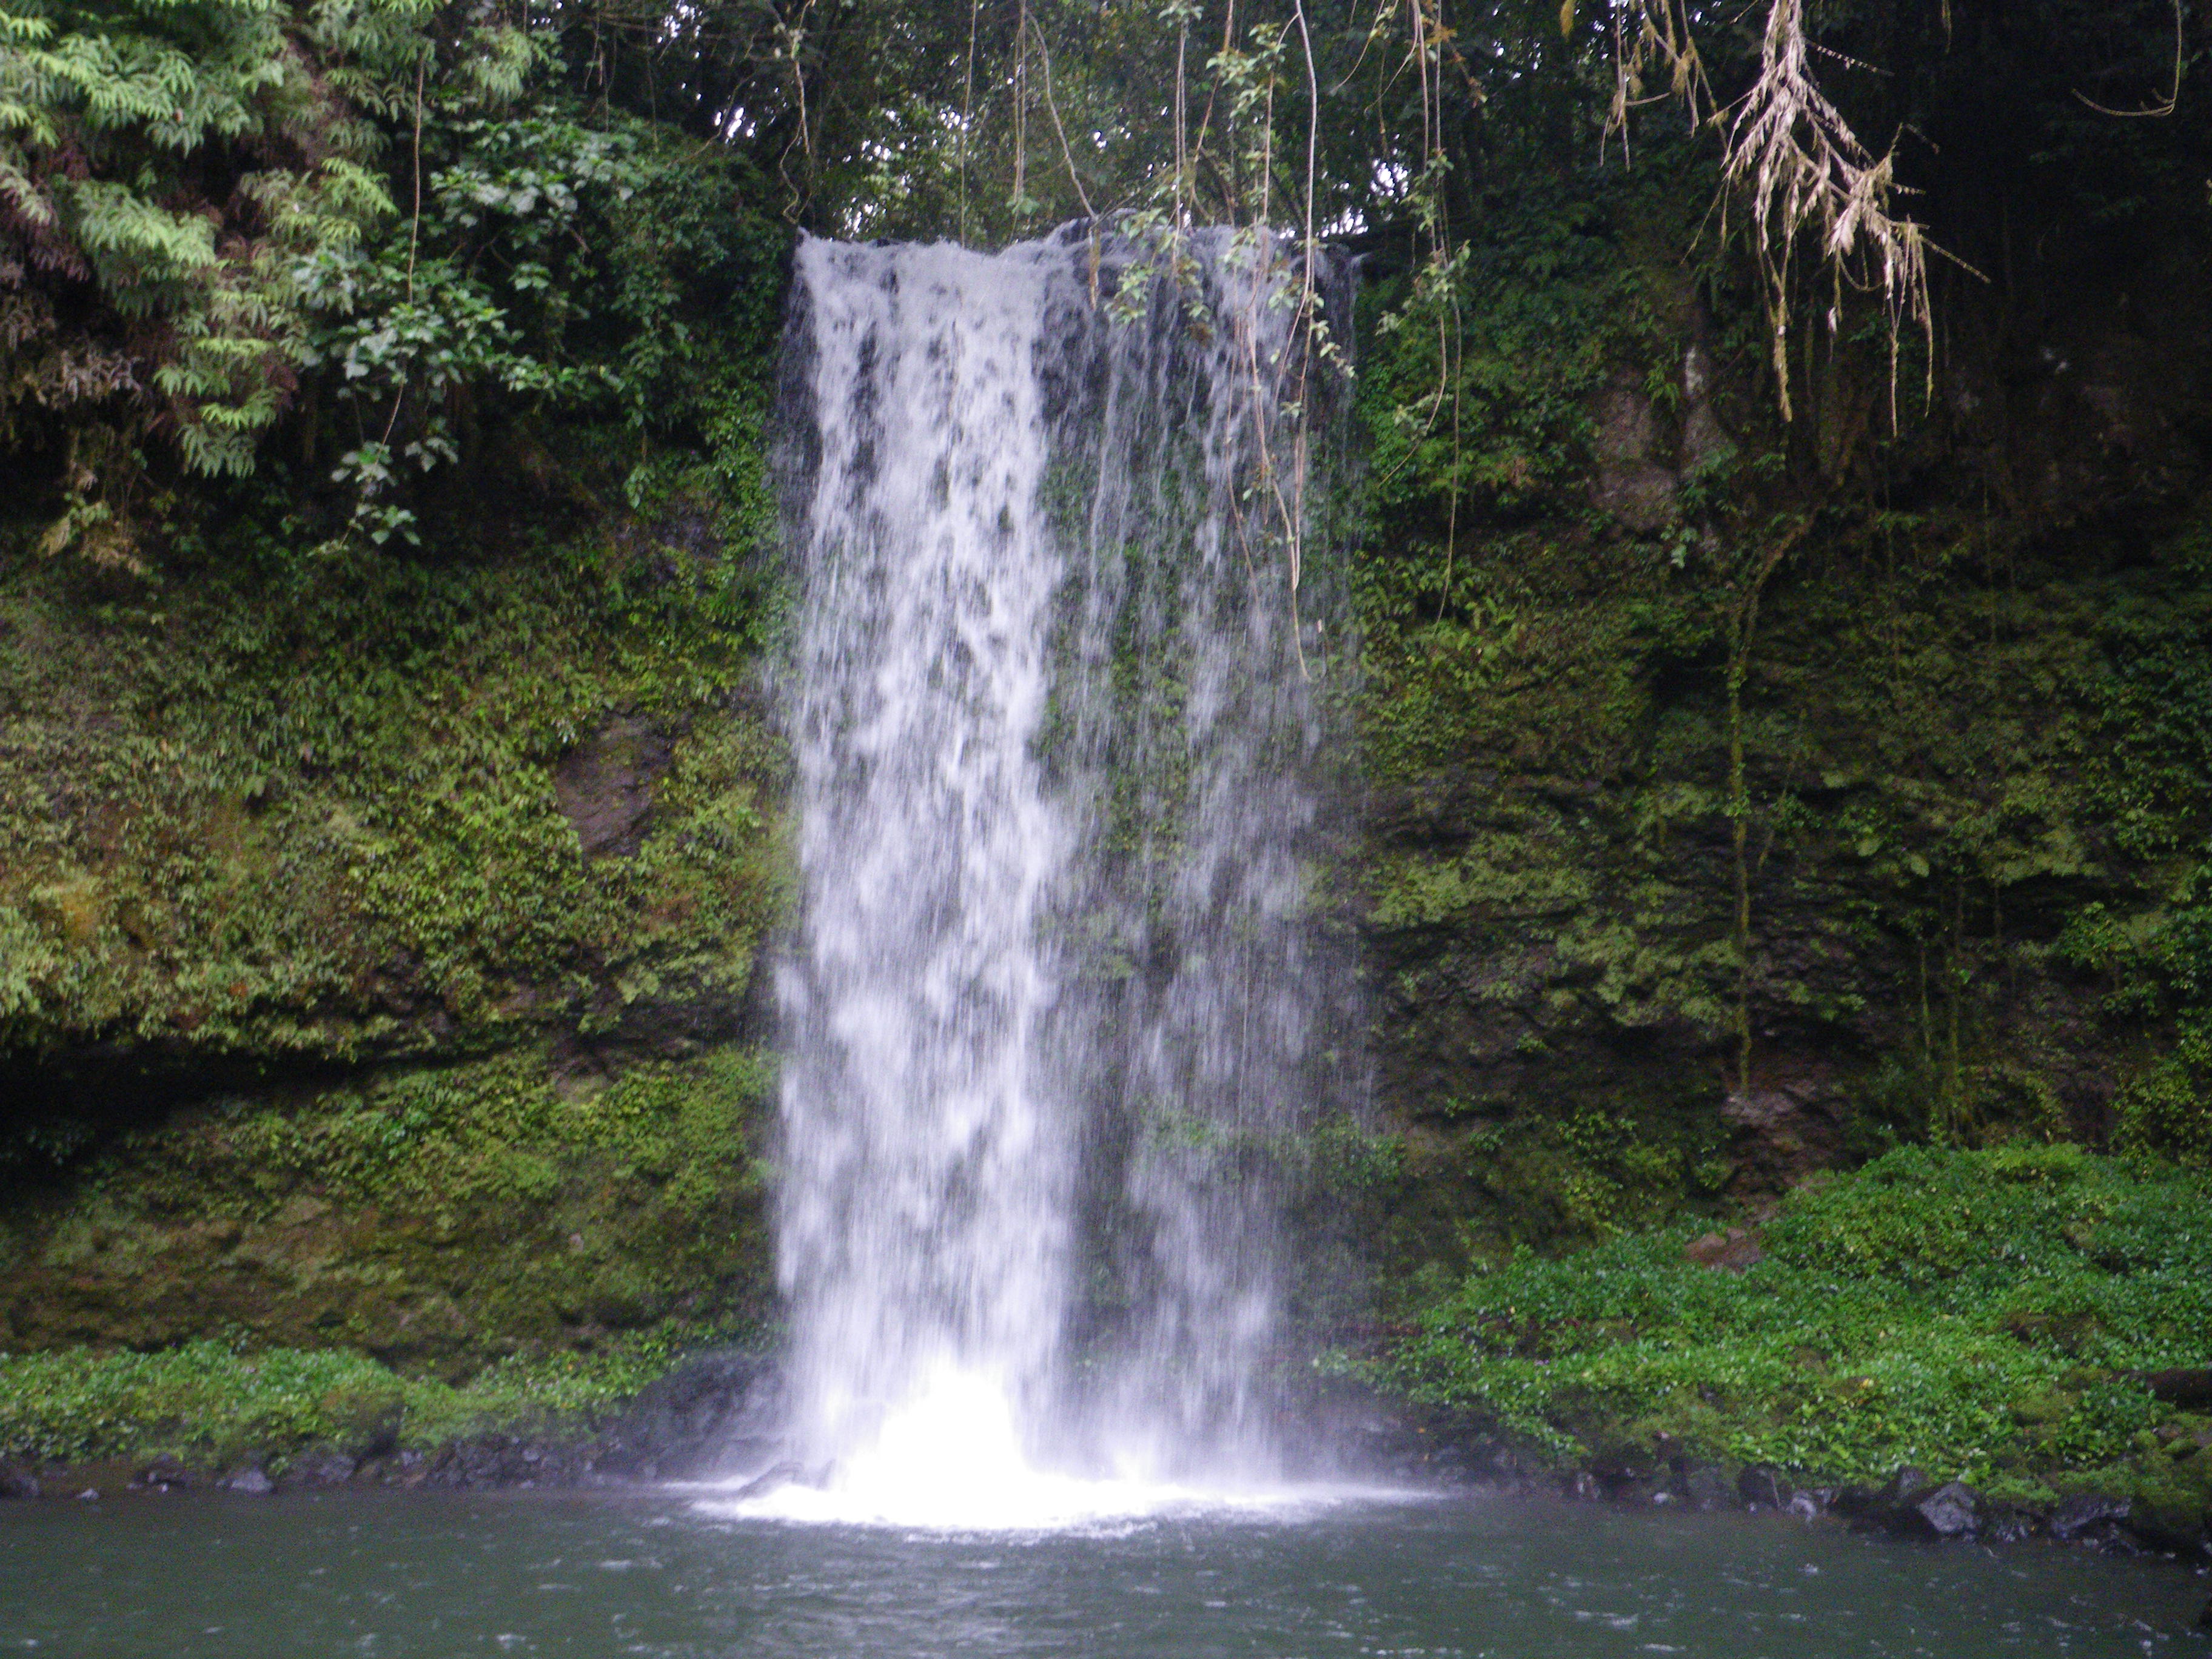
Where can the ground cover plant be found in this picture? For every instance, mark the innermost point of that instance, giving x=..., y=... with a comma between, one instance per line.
x=1989, y=1315
x=207, y=1403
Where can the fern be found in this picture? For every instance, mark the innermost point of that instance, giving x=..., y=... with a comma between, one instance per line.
x=113, y=119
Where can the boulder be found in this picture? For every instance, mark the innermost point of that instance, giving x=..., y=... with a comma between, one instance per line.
x=2001, y=1523
x=1951, y=1510
x=1785, y=1130
x=2171, y=1503
x=164, y=1473
x=250, y=1479
x=321, y=1466
x=16, y=1481
x=778, y=1474
x=1911, y=1505
x=2092, y=1518
x=2184, y=1386
x=1762, y=1486
x=604, y=785
x=1705, y=1488
x=1811, y=1504
x=1854, y=1500
x=1907, y=1484
x=1731, y=1251
x=497, y=1459
x=1455, y=1462
x=1630, y=484
x=718, y=1412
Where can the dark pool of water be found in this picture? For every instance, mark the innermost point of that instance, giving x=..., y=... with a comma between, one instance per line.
x=528, y=1573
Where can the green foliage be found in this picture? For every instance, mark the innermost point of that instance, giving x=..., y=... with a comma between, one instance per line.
x=1347, y=1162
x=562, y=270
x=114, y=120
x=207, y=1402
x=2153, y=769
x=374, y=217
x=2158, y=967
x=293, y=783
x=1477, y=386
x=487, y=1132
x=1496, y=874
x=1563, y=1180
x=2168, y=1109
x=1477, y=390
x=441, y=1217
x=1978, y=1314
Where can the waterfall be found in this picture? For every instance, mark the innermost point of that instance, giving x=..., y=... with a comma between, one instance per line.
x=1056, y=1005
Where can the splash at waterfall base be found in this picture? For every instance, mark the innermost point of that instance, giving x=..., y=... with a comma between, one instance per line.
x=1059, y=516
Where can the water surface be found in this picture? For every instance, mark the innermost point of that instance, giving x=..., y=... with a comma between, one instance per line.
x=530, y=1573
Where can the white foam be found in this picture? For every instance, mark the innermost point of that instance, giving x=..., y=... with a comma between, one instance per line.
x=951, y=1460
x=1010, y=499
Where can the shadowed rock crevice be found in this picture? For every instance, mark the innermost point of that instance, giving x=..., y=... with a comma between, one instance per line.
x=605, y=784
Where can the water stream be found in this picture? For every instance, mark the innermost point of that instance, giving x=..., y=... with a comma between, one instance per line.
x=1055, y=1002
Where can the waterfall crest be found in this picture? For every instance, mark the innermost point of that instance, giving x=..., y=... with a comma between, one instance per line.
x=1056, y=1000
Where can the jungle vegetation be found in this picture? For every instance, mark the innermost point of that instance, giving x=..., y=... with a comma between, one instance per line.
x=344, y=242
x=1783, y=584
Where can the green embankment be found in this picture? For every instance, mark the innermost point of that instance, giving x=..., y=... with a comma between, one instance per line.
x=390, y=825
x=1990, y=1316
x=1746, y=799
x=208, y=1406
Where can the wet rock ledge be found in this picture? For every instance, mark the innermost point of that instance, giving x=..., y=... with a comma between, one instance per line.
x=2173, y=1519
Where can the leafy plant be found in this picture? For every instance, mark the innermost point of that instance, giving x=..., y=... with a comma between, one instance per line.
x=207, y=1402
x=115, y=123
x=1980, y=1315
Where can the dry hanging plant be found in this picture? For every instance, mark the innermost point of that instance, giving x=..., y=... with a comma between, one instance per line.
x=1790, y=152
x=1803, y=172
x=1649, y=35
x=2164, y=104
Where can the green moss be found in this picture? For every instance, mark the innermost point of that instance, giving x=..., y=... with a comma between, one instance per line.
x=1974, y=788
x=1404, y=1212
x=1978, y=1315
x=278, y=811
x=438, y=1218
x=278, y=805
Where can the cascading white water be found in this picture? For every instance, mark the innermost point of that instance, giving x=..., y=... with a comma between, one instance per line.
x=930, y=1146
x=1054, y=989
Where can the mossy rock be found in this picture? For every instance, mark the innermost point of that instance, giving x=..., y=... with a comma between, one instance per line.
x=292, y=811
x=438, y=1217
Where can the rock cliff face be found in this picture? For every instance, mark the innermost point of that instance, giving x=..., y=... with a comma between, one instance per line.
x=379, y=948
x=1744, y=799
x=378, y=936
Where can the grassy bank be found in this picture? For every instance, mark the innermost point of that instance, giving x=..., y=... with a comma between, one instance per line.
x=208, y=1405
x=1984, y=1315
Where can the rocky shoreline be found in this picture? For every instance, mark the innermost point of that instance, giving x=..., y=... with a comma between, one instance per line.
x=1912, y=1504
x=716, y=1415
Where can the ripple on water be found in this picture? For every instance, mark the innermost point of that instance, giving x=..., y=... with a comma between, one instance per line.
x=1311, y=1574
